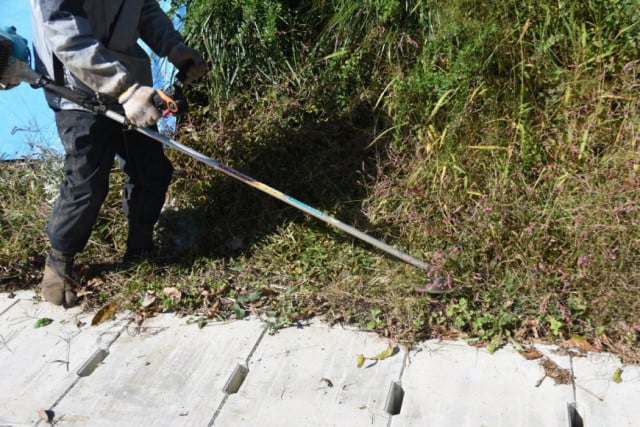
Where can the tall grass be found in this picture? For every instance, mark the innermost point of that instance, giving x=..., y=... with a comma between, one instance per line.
x=245, y=42
x=29, y=188
x=506, y=148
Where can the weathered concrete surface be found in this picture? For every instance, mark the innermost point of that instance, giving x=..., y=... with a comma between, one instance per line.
x=454, y=384
x=309, y=377
x=39, y=364
x=172, y=373
x=167, y=373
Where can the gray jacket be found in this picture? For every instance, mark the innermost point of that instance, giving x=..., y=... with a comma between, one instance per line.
x=96, y=43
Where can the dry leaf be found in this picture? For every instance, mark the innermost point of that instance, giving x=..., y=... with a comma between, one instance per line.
x=579, y=343
x=95, y=282
x=173, y=293
x=530, y=353
x=149, y=299
x=83, y=292
x=146, y=312
x=555, y=372
x=104, y=313
x=213, y=310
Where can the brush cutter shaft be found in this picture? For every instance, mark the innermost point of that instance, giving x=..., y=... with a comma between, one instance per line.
x=273, y=192
x=100, y=109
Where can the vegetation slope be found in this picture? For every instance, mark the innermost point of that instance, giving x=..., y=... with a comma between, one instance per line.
x=497, y=141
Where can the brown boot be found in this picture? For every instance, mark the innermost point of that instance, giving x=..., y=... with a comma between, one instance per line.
x=57, y=285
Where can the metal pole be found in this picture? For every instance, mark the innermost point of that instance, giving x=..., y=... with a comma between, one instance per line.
x=100, y=109
x=273, y=192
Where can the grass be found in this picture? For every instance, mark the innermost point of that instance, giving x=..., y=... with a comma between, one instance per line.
x=496, y=141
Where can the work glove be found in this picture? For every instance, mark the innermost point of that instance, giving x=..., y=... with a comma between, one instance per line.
x=138, y=106
x=188, y=61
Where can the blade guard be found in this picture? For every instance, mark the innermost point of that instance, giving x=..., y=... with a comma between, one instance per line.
x=15, y=58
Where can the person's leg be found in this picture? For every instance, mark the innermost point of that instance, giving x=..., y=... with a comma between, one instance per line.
x=149, y=174
x=90, y=143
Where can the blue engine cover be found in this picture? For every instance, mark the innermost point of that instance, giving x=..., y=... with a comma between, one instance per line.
x=20, y=45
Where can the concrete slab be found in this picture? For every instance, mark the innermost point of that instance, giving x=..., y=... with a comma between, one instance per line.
x=453, y=384
x=309, y=377
x=174, y=374
x=166, y=374
x=600, y=400
x=38, y=364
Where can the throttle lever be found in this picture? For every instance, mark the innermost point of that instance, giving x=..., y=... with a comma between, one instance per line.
x=170, y=101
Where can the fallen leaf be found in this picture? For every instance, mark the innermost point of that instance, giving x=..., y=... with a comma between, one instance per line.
x=149, y=299
x=146, y=312
x=104, y=313
x=580, y=343
x=173, y=293
x=43, y=322
x=83, y=292
x=530, y=353
x=213, y=310
x=617, y=376
x=555, y=372
x=390, y=351
x=95, y=282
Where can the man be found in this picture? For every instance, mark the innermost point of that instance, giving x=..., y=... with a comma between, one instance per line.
x=91, y=47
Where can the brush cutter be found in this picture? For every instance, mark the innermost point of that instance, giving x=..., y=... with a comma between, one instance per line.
x=15, y=68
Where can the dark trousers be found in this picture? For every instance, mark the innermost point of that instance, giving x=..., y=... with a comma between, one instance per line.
x=91, y=143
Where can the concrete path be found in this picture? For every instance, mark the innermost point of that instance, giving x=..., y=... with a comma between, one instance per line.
x=170, y=372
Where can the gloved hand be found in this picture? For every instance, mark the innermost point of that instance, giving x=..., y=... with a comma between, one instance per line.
x=188, y=60
x=138, y=106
